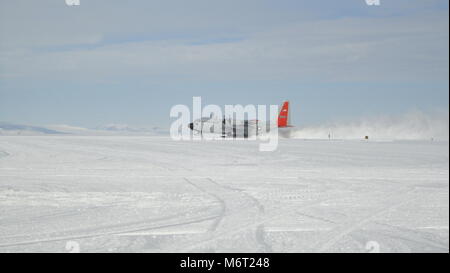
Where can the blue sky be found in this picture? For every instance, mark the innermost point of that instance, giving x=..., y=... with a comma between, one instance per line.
x=131, y=61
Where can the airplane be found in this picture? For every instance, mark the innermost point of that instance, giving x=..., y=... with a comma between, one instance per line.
x=238, y=128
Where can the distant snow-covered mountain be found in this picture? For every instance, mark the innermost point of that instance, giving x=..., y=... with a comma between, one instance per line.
x=121, y=128
x=62, y=129
x=18, y=129
x=125, y=128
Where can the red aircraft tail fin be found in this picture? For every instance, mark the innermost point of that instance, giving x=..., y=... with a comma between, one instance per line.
x=283, y=117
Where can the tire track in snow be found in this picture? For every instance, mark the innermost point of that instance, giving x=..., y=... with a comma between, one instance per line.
x=3, y=154
x=215, y=196
x=402, y=234
x=347, y=229
x=257, y=225
x=239, y=213
x=128, y=229
x=259, y=232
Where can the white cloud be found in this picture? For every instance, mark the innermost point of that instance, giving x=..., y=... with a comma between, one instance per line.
x=411, y=48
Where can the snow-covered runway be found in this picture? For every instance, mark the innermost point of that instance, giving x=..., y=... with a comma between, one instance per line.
x=152, y=194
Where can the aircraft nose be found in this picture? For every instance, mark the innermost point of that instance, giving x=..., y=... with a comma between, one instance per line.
x=191, y=125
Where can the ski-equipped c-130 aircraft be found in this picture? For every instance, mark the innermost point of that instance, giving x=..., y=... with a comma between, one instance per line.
x=237, y=128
